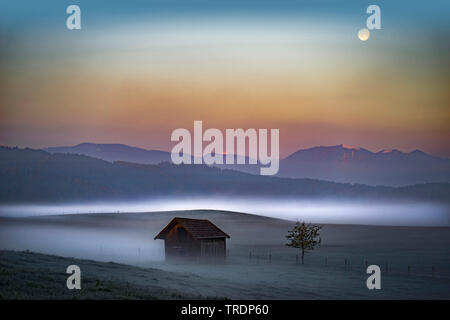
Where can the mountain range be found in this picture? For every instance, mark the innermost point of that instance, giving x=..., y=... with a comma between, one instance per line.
x=357, y=165
x=28, y=175
x=340, y=163
x=115, y=152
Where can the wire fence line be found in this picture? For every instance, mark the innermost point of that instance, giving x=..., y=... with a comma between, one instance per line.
x=345, y=263
x=272, y=257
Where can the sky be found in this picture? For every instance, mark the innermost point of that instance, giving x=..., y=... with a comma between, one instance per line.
x=137, y=70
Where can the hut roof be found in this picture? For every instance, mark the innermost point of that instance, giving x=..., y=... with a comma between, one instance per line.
x=198, y=229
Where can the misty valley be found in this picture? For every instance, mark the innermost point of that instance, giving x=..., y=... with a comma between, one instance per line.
x=104, y=213
x=257, y=259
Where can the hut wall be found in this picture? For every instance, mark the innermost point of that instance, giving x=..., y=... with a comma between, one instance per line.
x=213, y=248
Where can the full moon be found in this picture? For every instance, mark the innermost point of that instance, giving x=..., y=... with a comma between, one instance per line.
x=363, y=34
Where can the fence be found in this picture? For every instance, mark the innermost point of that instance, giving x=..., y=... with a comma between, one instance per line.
x=345, y=263
x=269, y=257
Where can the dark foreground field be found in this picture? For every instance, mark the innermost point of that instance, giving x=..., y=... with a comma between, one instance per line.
x=29, y=275
x=415, y=261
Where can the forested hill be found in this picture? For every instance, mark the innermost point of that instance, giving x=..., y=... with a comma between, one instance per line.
x=28, y=175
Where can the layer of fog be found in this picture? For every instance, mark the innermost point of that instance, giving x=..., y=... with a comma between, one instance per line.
x=331, y=212
x=129, y=238
x=81, y=242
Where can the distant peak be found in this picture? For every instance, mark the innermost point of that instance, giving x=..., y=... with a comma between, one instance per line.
x=346, y=146
x=85, y=144
x=101, y=144
x=98, y=145
x=386, y=151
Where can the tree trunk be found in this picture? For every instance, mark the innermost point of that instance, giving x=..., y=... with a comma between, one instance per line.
x=303, y=256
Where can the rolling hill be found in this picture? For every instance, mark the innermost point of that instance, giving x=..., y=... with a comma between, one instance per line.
x=28, y=175
x=114, y=152
x=333, y=163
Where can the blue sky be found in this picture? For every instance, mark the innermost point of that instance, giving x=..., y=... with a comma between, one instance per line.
x=20, y=13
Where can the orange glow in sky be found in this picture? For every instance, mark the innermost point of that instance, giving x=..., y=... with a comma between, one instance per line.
x=137, y=83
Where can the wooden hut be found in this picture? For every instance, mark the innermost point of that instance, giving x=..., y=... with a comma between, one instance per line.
x=193, y=238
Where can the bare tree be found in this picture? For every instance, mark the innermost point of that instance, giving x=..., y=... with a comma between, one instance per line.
x=304, y=237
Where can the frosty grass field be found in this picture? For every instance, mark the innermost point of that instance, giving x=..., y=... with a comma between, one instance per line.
x=415, y=261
